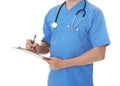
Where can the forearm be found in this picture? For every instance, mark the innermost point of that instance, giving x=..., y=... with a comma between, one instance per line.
x=43, y=48
x=91, y=56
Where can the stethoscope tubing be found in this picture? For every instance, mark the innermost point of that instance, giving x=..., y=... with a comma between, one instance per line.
x=59, y=11
x=54, y=24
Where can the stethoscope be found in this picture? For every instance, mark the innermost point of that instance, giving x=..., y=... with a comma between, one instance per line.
x=72, y=26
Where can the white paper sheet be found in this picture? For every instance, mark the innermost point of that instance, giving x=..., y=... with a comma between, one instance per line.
x=29, y=52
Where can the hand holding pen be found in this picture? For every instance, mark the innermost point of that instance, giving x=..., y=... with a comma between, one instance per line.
x=31, y=45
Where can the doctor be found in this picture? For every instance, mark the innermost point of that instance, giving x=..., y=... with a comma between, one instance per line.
x=75, y=34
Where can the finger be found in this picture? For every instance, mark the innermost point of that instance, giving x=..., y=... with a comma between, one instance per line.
x=48, y=60
x=36, y=47
x=29, y=41
x=28, y=46
x=35, y=44
x=33, y=49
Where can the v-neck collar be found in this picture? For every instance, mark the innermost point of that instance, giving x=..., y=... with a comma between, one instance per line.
x=79, y=5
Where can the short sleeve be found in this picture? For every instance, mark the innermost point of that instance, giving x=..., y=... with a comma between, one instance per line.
x=47, y=32
x=98, y=32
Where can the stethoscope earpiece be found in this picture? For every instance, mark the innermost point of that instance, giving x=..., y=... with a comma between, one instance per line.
x=54, y=25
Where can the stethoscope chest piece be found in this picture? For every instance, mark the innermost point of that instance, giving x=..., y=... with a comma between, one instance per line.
x=54, y=25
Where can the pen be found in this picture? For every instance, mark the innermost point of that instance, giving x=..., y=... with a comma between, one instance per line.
x=34, y=39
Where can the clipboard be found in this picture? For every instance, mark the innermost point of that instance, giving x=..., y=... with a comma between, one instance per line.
x=30, y=52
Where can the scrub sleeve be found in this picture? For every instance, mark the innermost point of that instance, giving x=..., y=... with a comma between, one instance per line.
x=98, y=33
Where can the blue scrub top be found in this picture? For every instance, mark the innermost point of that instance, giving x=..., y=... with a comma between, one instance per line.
x=68, y=43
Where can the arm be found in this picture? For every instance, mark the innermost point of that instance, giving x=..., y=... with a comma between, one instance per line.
x=43, y=48
x=91, y=56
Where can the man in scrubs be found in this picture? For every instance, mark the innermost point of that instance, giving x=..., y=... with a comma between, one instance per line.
x=72, y=51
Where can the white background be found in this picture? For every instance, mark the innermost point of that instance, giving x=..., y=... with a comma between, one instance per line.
x=21, y=19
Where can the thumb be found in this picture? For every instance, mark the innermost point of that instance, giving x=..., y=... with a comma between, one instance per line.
x=46, y=59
